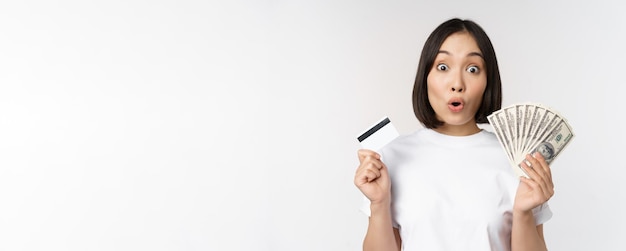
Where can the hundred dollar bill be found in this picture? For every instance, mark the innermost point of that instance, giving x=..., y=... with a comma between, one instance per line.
x=524, y=129
x=498, y=130
x=552, y=120
x=511, y=119
x=536, y=121
x=552, y=145
x=544, y=128
x=502, y=123
x=519, y=118
x=526, y=112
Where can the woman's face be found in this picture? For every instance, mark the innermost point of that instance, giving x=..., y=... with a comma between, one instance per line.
x=456, y=83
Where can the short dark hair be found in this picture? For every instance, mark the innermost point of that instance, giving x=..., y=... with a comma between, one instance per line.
x=492, y=98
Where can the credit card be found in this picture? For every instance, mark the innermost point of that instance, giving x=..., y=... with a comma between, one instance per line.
x=378, y=135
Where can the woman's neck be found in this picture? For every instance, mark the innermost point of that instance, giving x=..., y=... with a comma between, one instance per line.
x=458, y=130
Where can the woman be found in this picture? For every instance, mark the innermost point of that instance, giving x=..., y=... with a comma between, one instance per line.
x=449, y=186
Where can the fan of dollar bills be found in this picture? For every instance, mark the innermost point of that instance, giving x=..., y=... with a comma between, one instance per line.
x=529, y=128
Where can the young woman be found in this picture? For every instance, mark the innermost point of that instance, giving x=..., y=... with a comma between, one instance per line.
x=449, y=186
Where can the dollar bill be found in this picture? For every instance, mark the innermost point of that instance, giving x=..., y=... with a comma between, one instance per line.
x=497, y=126
x=528, y=128
x=552, y=145
x=506, y=132
x=545, y=127
x=519, y=112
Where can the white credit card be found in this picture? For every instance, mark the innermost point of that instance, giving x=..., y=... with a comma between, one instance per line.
x=379, y=135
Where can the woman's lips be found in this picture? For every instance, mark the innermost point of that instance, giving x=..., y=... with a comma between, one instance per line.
x=455, y=105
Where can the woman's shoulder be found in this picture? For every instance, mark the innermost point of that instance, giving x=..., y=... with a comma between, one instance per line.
x=408, y=138
x=489, y=135
x=406, y=141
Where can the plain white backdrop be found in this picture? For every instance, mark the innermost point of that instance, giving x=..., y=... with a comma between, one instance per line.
x=231, y=125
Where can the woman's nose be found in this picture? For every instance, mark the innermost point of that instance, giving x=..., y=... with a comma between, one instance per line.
x=458, y=84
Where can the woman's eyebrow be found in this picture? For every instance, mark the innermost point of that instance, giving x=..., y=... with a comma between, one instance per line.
x=475, y=54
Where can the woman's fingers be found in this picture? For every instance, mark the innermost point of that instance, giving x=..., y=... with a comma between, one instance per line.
x=546, y=173
x=539, y=173
x=370, y=167
x=370, y=163
x=546, y=167
x=366, y=153
x=372, y=174
x=542, y=168
x=369, y=158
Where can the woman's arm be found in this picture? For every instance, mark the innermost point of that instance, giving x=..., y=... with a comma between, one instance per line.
x=526, y=235
x=532, y=192
x=381, y=235
x=373, y=180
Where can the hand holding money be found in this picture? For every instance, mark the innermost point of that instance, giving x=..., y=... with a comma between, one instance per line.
x=528, y=128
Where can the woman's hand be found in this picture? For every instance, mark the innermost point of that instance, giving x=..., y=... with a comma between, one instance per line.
x=536, y=190
x=372, y=177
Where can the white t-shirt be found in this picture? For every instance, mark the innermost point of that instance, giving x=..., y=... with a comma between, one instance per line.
x=451, y=192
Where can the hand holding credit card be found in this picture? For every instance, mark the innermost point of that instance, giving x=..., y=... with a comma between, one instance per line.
x=378, y=135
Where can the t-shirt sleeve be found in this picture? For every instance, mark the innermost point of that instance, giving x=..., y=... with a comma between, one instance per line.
x=365, y=209
x=542, y=213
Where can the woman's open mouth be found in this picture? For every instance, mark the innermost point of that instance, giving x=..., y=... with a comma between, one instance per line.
x=455, y=105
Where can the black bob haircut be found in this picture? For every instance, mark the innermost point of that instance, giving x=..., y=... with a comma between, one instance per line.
x=492, y=98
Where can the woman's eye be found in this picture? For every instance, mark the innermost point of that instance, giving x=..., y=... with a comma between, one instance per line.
x=442, y=67
x=472, y=69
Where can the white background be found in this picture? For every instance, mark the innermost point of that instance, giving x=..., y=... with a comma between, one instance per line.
x=194, y=125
